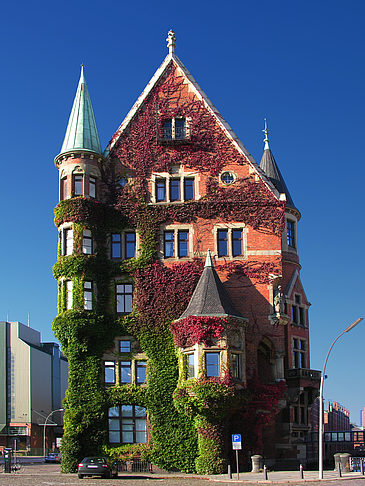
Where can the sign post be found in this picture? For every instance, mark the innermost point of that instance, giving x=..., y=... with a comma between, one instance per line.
x=237, y=446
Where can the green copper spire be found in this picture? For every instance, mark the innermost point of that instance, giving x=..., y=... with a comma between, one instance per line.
x=81, y=131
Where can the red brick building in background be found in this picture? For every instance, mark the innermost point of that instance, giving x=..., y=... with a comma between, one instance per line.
x=176, y=153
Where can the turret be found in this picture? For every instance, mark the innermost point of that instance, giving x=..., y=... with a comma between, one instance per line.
x=81, y=152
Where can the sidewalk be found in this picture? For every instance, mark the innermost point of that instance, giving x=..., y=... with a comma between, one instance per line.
x=286, y=477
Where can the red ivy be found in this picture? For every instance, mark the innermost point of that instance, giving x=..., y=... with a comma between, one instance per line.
x=197, y=329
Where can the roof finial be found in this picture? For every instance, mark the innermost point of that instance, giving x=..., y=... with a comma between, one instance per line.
x=266, y=139
x=208, y=260
x=82, y=77
x=171, y=41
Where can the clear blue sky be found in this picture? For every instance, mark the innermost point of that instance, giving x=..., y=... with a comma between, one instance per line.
x=300, y=64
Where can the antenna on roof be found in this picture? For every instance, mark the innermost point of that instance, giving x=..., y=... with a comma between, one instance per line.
x=171, y=41
x=266, y=139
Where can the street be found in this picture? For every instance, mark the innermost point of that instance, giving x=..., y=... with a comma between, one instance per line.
x=50, y=475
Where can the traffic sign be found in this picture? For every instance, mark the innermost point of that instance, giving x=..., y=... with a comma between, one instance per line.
x=236, y=442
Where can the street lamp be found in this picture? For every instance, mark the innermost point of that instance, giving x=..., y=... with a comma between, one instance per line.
x=44, y=428
x=320, y=430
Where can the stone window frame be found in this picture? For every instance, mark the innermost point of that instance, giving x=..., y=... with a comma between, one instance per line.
x=285, y=244
x=298, y=352
x=123, y=243
x=230, y=227
x=176, y=228
x=177, y=172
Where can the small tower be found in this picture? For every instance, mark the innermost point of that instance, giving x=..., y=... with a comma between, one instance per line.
x=81, y=152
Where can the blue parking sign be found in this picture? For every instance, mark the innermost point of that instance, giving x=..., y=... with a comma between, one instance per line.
x=236, y=442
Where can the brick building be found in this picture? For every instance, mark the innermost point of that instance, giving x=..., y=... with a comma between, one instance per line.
x=179, y=355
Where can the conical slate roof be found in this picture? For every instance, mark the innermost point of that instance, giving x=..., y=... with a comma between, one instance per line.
x=81, y=131
x=210, y=298
x=269, y=166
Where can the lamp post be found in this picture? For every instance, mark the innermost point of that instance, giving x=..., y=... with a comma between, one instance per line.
x=44, y=428
x=320, y=430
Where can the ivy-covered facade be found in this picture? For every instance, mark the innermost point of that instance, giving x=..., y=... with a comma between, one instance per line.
x=180, y=308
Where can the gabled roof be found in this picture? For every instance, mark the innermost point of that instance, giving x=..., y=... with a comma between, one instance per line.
x=210, y=298
x=173, y=58
x=81, y=132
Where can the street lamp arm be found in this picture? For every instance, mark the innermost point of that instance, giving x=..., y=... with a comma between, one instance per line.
x=44, y=428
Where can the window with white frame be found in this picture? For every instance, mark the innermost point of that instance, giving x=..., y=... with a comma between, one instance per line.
x=124, y=300
x=230, y=242
x=68, y=289
x=125, y=368
x=190, y=361
x=109, y=372
x=141, y=367
x=176, y=243
x=299, y=353
x=87, y=242
x=88, y=295
x=174, y=188
x=68, y=241
x=124, y=346
x=127, y=424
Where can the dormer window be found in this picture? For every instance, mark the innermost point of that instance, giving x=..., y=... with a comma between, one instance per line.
x=174, y=129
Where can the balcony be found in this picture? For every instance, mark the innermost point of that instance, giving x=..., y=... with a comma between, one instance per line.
x=306, y=374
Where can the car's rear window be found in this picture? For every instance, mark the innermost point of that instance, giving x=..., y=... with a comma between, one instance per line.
x=95, y=460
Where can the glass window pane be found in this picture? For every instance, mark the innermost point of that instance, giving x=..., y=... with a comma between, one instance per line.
x=141, y=425
x=222, y=242
x=92, y=187
x=141, y=437
x=127, y=437
x=127, y=410
x=174, y=189
x=130, y=245
x=188, y=189
x=128, y=288
x=141, y=371
x=124, y=346
x=167, y=129
x=212, y=364
x=125, y=372
x=128, y=303
x=179, y=128
x=191, y=366
x=160, y=190
x=183, y=237
x=127, y=426
x=237, y=242
x=114, y=437
x=168, y=244
x=113, y=412
x=114, y=424
x=109, y=373
x=140, y=411
x=78, y=185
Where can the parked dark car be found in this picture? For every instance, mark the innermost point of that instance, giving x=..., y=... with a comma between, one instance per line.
x=97, y=466
x=53, y=457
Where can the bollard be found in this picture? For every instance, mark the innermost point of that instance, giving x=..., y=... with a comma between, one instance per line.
x=229, y=472
x=301, y=472
x=265, y=473
x=361, y=465
x=339, y=470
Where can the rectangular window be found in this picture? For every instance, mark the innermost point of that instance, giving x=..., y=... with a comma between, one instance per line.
x=141, y=367
x=116, y=241
x=237, y=247
x=160, y=190
x=179, y=128
x=88, y=295
x=78, y=183
x=130, y=244
x=169, y=250
x=127, y=424
x=92, y=187
x=191, y=365
x=167, y=129
x=109, y=372
x=63, y=189
x=290, y=233
x=222, y=235
x=299, y=353
x=183, y=243
x=69, y=294
x=68, y=241
x=188, y=188
x=125, y=372
x=174, y=189
x=124, y=298
x=236, y=366
x=212, y=364
x=87, y=242
x=124, y=346
x=298, y=315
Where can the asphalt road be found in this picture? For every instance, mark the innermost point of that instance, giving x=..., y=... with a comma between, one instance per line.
x=50, y=475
